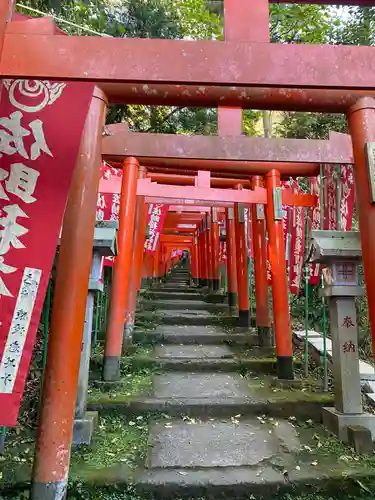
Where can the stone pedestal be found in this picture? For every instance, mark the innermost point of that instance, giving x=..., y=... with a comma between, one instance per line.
x=348, y=397
x=84, y=427
x=338, y=423
x=83, y=424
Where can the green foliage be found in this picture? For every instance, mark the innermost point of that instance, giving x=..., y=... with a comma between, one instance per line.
x=300, y=23
x=172, y=19
x=300, y=125
x=356, y=27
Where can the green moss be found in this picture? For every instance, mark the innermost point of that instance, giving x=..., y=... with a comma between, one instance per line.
x=263, y=386
x=117, y=441
x=16, y=461
x=133, y=385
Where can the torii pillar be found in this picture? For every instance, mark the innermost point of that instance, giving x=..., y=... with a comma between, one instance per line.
x=231, y=258
x=215, y=243
x=136, y=265
x=281, y=316
x=55, y=431
x=361, y=118
x=242, y=266
x=263, y=320
x=121, y=272
x=208, y=247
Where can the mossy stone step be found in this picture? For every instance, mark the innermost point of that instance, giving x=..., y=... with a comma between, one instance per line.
x=203, y=335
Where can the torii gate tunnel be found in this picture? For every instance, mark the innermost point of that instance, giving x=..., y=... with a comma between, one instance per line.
x=244, y=71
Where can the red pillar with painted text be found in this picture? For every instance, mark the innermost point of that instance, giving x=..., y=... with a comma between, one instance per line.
x=55, y=430
x=361, y=119
x=207, y=236
x=281, y=317
x=263, y=320
x=121, y=272
x=215, y=247
x=195, y=261
x=203, y=257
x=231, y=257
x=136, y=264
x=242, y=266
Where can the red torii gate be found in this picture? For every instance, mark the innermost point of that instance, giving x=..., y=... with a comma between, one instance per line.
x=246, y=73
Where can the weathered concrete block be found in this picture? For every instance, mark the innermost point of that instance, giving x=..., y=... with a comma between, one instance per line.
x=84, y=427
x=338, y=423
x=359, y=437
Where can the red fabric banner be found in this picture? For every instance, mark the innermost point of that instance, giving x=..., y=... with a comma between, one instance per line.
x=223, y=252
x=330, y=197
x=347, y=198
x=41, y=123
x=297, y=249
x=338, y=190
x=314, y=269
x=287, y=211
x=107, y=208
x=155, y=222
x=107, y=171
x=249, y=232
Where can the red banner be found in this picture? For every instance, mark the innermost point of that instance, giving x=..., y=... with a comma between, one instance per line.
x=107, y=171
x=338, y=190
x=107, y=208
x=41, y=124
x=347, y=198
x=297, y=249
x=223, y=252
x=314, y=269
x=155, y=222
x=330, y=197
x=286, y=214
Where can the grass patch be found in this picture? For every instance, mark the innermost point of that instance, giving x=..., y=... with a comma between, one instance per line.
x=134, y=384
x=16, y=461
x=118, y=440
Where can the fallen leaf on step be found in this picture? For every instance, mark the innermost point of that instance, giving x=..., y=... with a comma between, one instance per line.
x=182, y=473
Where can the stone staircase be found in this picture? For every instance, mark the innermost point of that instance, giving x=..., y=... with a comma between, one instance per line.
x=228, y=429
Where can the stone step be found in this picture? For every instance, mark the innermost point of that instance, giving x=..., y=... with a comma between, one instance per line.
x=186, y=317
x=162, y=296
x=309, y=408
x=176, y=283
x=196, y=305
x=200, y=385
x=178, y=289
x=214, y=358
x=263, y=366
x=203, y=335
x=240, y=458
x=193, y=352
